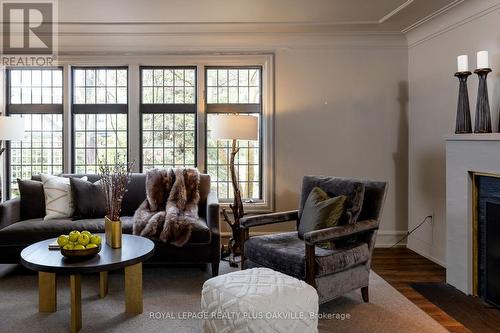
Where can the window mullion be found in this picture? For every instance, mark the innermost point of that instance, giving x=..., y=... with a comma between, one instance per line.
x=201, y=120
x=134, y=126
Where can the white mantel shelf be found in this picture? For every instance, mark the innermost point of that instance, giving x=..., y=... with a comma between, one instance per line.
x=473, y=137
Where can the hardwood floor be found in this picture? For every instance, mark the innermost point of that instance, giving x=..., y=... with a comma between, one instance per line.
x=400, y=267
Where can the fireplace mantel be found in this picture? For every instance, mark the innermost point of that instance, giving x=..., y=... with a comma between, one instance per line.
x=465, y=153
x=473, y=137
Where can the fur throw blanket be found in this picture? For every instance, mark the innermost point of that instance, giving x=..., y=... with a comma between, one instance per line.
x=171, y=205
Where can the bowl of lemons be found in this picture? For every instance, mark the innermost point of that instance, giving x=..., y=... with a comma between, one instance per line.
x=79, y=244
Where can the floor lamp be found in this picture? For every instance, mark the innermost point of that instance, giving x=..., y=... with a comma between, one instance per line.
x=234, y=127
x=11, y=129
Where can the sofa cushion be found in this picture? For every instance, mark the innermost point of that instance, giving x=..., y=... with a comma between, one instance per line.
x=34, y=230
x=285, y=252
x=32, y=199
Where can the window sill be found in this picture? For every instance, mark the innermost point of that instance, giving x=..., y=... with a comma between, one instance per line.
x=255, y=207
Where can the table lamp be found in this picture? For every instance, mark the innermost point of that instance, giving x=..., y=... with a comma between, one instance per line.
x=234, y=127
x=11, y=129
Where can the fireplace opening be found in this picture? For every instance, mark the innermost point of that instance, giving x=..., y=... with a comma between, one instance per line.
x=486, y=227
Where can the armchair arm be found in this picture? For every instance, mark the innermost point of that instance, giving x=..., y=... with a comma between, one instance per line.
x=214, y=226
x=335, y=233
x=10, y=212
x=213, y=213
x=256, y=220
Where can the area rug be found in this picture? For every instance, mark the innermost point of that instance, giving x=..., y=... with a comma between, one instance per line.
x=172, y=295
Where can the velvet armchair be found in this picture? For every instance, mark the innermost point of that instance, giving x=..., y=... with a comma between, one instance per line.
x=333, y=272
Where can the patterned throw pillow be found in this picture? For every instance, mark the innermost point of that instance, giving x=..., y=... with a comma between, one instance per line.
x=321, y=211
x=58, y=198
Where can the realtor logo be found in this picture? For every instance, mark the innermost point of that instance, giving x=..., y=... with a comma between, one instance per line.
x=27, y=27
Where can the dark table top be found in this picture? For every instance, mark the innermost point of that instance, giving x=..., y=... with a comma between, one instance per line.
x=134, y=249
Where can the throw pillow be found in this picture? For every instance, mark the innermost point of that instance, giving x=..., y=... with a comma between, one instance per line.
x=353, y=189
x=58, y=198
x=321, y=211
x=32, y=199
x=88, y=199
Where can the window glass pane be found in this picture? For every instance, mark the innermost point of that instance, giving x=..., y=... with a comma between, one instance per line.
x=168, y=140
x=35, y=86
x=231, y=85
x=167, y=134
x=168, y=86
x=247, y=165
x=100, y=86
x=100, y=137
x=39, y=151
x=41, y=148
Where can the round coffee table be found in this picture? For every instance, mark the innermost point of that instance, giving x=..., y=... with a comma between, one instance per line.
x=48, y=263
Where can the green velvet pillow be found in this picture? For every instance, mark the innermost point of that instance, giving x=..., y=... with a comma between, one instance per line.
x=320, y=211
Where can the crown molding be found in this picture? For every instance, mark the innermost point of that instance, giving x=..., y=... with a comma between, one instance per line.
x=395, y=11
x=427, y=32
x=432, y=15
x=145, y=43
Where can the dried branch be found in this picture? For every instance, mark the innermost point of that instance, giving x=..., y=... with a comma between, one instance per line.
x=114, y=181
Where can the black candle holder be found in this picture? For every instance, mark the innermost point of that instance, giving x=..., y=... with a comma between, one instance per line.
x=463, y=122
x=483, y=116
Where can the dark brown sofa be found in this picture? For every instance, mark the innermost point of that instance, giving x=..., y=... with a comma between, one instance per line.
x=203, y=247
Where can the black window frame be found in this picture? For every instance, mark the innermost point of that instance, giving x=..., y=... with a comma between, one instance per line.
x=96, y=108
x=14, y=109
x=237, y=108
x=164, y=108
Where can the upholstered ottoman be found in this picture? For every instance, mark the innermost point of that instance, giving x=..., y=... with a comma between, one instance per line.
x=258, y=300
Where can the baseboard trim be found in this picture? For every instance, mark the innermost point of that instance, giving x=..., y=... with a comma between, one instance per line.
x=385, y=238
x=424, y=253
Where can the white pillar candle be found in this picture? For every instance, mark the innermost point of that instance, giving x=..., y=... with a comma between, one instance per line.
x=482, y=59
x=462, y=63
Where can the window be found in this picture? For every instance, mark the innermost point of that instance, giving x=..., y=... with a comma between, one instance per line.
x=168, y=126
x=36, y=96
x=168, y=116
x=234, y=90
x=100, y=106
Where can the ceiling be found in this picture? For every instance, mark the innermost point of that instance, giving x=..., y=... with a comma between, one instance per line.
x=255, y=15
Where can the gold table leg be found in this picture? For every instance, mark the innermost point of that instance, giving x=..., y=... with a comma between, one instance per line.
x=47, y=292
x=133, y=289
x=76, y=302
x=103, y=284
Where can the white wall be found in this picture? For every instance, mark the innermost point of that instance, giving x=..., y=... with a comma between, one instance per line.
x=342, y=111
x=433, y=47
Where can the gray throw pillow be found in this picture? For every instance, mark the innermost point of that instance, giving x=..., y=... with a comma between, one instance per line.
x=321, y=211
x=88, y=199
x=353, y=189
x=32, y=199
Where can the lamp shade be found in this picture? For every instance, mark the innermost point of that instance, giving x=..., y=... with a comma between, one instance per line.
x=11, y=128
x=239, y=127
